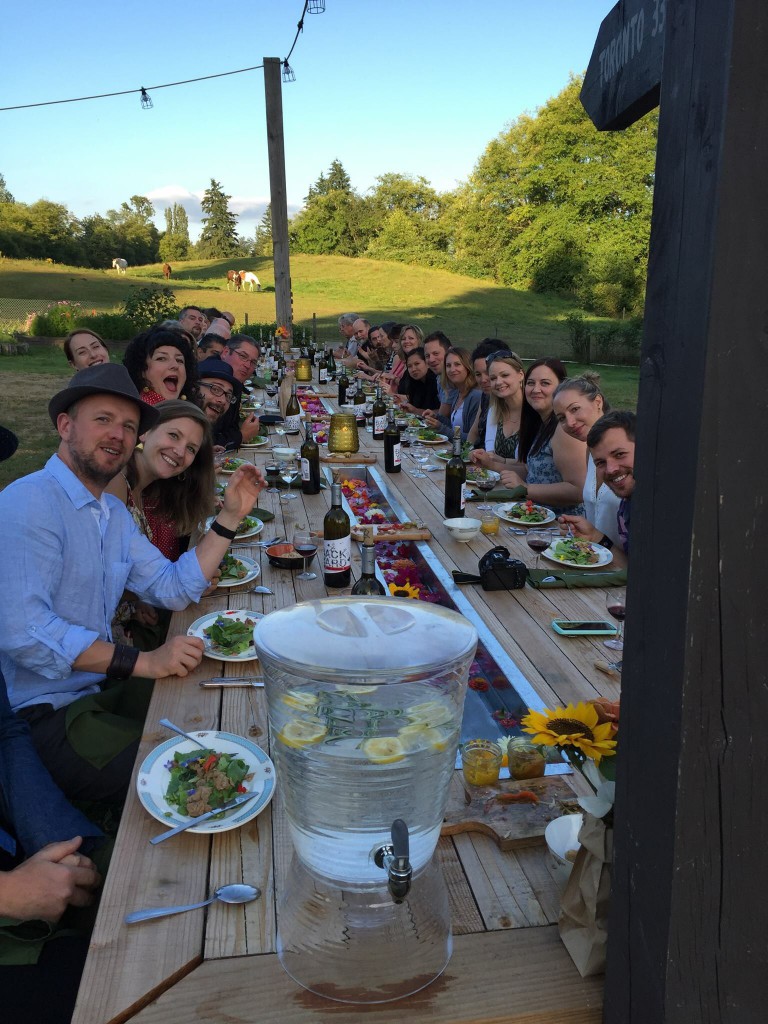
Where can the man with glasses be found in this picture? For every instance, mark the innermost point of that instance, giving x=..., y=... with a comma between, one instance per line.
x=240, y=357
x=218, y=389
x=194, y=321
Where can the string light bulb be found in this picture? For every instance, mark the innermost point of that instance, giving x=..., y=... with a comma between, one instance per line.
x=288, y=72
x=146, y=100
x=315, y=6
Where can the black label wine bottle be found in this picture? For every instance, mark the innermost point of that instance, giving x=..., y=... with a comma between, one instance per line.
x=343, y=386
x=392, y=445
x=379, y=416
x=337, y=546
x=310, y=463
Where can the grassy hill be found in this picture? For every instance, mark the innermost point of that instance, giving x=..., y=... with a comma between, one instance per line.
x=465, y=308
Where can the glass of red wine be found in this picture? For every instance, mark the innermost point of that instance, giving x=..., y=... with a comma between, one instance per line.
x=485, y=482
x=617, y=607
x=306, y=545
x=538, y=541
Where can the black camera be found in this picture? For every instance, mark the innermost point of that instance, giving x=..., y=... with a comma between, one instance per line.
x=497, y=571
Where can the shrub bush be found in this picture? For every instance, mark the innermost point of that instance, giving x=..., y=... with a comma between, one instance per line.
x=580, y=336
x=57, y=319
x=147, y=306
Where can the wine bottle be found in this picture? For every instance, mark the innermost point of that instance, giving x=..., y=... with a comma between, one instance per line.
x=331, y=360
x=337, y=553
x=379, y=414
x=343, y=385
x=293, y=413
x=359, y=401
x=455, y=480
x=322, y=369
x=310, y=463
x=392, y=445
x=368, y=585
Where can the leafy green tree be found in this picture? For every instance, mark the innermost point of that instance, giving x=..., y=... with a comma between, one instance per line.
x=335, y=219
x=135, y=233
x=174, y=245
x=41, y=230
x=263, y=239
x=5, y=195
x=219, y=235
x=414, y=196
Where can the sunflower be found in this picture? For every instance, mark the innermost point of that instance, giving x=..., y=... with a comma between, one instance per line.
x=574, y=726
x=403, y=590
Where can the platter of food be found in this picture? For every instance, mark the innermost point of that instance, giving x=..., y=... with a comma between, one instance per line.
x=249, y=526
x=231, y=465
x=257, y=442
x=427, y=436
x=444, y=456
x=178, y=782
x=235, y=571
x=578, y=553
x=391, y=532
x=228, y=636
x=525, y=513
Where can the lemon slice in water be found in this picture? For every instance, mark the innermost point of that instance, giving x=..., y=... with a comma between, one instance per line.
x=432, y=712
x=420, y=735
x=383, y=749
x=301, y=733
x=302, y=701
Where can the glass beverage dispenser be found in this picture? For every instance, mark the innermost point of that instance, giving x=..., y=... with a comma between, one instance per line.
x=365, y=704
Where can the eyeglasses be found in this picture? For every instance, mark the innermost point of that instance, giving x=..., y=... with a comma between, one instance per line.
x=218, y=391
x=244, y=358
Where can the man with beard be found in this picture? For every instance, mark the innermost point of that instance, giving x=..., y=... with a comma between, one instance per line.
x=220, y=392
x=76, y=549
x=194, y=321
x=240, y=357
x=611, y=442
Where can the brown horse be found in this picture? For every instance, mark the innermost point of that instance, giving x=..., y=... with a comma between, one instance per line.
x=234, y=278
x=167, y=270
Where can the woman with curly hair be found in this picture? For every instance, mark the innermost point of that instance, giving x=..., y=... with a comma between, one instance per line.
x=162, y=364
x=168, y=486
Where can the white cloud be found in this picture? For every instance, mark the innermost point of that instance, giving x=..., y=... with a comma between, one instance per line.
x=249, y=209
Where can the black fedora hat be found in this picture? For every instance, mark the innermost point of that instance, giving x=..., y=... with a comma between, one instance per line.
x=8, y=443
x=219, y=370
x=102, y=379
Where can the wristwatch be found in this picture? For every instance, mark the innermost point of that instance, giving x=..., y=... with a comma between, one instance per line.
x=606, y=542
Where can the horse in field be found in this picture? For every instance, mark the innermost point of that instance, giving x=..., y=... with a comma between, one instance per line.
x=167, y=270
x=120, y=265
x=250, y=278
x=234, y=279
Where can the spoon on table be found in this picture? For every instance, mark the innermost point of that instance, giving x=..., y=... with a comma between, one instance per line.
x=259, y=590
x=235, y=892
x=174, y=728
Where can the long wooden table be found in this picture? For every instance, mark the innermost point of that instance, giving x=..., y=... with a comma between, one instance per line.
x=220, y=964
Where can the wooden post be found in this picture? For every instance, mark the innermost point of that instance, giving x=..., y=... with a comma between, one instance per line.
x=246, y=319
x=314, y=328
x=688, y=934
x=278, y=195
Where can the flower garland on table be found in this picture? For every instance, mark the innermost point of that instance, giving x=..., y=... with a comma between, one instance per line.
x=312, y=406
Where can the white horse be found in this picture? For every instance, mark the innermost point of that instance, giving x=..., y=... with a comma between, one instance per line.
x=120, y=265
x=251, y=280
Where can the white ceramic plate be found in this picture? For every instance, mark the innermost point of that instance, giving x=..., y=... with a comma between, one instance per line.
x=253, y=532
x=505, y=512
x=254, y=444
x=253, y=571
x=153, y=778
x=229, y=472
x=604, y=557
x=440, y=439
x=445, y=456
x=199, y=626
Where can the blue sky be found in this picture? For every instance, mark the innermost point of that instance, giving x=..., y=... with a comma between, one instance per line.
x=417, y=87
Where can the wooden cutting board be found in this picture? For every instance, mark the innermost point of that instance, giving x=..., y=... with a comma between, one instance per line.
x=389, y=537
x=349, y=459
x=512, y=826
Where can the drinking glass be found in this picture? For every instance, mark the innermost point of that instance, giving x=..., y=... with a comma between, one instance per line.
x=289, y=471
x=306, y=545
x=280, y=429
x=272, y=471
x=409, y=436
x=538, y=541
x=420, y=456
x=485, y=484
x=617, y=607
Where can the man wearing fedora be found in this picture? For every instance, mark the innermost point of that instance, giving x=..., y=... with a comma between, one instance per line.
x=221, y=393
x=75, y=550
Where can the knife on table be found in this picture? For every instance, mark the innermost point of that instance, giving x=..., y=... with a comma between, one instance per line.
x=242, y=799
x=225, y=681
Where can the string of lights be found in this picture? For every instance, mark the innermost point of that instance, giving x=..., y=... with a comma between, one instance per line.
x=310, y=7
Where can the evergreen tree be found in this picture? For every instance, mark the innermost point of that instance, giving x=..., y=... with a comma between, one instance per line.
x=335, y=219
x=174, y=245
x=263, y=240
x=219, y=235
x=5, y=195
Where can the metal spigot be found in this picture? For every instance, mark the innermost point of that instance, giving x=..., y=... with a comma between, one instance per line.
x=394, y=859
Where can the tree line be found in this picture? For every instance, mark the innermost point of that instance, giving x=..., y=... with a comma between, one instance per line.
x=552, y=205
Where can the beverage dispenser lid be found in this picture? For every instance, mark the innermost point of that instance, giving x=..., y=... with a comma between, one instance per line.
x=364, y=637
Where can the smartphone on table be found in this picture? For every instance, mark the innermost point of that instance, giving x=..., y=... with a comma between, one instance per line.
x=583, y=627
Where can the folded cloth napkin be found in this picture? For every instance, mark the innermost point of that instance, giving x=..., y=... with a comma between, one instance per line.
x=500, y=494
x=561, y=577
x=262, y=513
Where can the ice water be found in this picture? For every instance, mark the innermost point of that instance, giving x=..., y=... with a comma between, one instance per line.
x=352, y=759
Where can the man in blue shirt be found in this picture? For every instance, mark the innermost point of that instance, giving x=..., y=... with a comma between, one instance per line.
x=75, y=550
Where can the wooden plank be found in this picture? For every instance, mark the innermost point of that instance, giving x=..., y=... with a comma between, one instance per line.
x=622, y=80
x=501, y=889
x=521, y=977
x=465, y=917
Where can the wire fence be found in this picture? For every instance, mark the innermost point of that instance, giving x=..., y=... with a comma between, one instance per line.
x=17, y=314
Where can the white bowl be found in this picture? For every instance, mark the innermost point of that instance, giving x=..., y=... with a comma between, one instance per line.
x=284, y=453
x=462, y=528
x=562, y=835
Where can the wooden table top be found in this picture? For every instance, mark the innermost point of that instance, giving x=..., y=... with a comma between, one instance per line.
x=220, y=964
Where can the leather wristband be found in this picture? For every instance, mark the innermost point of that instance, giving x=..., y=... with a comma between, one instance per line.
x=222, y=531
x=123, y=662
x=606, y=542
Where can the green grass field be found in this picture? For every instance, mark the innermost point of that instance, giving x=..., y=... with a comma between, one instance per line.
x=466, y=309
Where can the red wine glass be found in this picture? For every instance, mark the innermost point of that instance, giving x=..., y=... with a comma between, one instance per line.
x=617, y=607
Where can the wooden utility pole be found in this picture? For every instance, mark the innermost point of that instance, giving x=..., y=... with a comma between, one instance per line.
x=278, y=198
x=688, y=938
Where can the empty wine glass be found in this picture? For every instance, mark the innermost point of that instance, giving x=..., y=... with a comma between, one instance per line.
x=617, y=607
x=289, y=471
x=420, y=456
x=538, y=541
x=306, y=545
